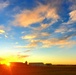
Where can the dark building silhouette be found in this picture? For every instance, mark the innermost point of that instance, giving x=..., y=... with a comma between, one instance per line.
x=19, y=63
x=36, y=64
x=48, y=64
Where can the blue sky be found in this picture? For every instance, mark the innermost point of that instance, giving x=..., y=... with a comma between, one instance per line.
x=38, y=31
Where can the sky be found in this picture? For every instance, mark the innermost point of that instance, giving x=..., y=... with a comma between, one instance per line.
x=38, y=31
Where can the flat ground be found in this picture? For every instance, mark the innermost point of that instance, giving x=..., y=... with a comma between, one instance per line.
x=37, y=70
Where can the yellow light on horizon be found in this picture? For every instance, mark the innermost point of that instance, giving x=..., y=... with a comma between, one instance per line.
x=8, y=64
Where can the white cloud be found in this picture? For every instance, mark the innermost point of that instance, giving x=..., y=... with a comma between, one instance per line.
x=4, y=5
x=2, y=31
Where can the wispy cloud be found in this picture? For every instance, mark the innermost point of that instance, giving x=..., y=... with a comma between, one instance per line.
x=4, y=4
x=72, y=13
x=73, y=4
x=36, y=35
x=56, y=42
x=72, y=18
x=44, y=26
x=13, y=57
x=32, y=44
x=46, y=43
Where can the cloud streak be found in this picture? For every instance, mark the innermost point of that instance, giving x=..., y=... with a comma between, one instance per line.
x=13, y=57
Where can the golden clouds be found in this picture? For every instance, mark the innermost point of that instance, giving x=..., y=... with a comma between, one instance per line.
x=36, y=35
x=26, y=18
x=73, y=15
x=32, y=39
x=45, y=34
x=32, y=44
x=31, y=36
x=2, y=31
x=38, y=14
x=51, y=13
x=56, y=42
x=49, y=43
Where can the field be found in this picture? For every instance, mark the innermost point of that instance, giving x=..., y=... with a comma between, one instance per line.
x=38, y=70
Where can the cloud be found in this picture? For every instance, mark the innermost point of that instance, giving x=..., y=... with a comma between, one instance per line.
x=22, y=56
x=6, y=36
x=64, y=29
x=2, y=31
x=73, y=4
x=4, y=5
x=73, y=16
x=16, y=43
x=46, y=11
x=31, y=36
x=3, y=27
x=38, y=14
x=73, y=7
x=56, y=42
x=61, y=29
x=44, y=34
x=64, y=41
x=43, y=26
x=46, y=43
x=32, y=44
x=12, y=57
x=36, y=35
x=27, y=51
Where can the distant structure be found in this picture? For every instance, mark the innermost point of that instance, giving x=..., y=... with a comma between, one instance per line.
x=19, y=63
x=26, y=63
x=48, y=64
x=30, y=64
x=36, y=64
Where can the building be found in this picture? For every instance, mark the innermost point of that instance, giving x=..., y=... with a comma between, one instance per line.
x=48, y=64
x=36, y=64
x=19, y=63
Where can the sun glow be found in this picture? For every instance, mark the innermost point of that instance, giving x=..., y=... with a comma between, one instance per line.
x=8, y=64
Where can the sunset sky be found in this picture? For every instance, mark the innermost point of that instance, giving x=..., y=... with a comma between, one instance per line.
x=38, y=31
